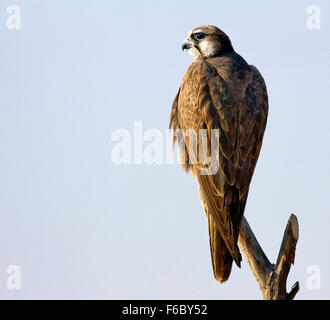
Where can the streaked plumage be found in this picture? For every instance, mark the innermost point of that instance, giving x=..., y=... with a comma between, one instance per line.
x=221, y=91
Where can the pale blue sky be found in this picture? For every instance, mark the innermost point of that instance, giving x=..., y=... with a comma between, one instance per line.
x=81, y=227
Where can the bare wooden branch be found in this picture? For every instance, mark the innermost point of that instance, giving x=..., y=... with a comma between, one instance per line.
x=271, y=277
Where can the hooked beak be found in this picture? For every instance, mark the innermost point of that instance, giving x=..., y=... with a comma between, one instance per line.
x=186, y=45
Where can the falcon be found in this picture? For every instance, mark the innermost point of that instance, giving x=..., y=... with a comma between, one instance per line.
x=220, y=93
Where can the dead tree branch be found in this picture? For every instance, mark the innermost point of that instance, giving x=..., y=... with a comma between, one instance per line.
x=271, y=277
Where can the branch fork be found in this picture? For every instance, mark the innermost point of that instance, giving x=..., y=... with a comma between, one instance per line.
x=271, y=277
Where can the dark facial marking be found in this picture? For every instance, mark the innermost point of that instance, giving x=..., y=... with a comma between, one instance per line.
x=199, y=35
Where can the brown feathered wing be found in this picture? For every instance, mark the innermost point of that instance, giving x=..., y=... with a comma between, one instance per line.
x=226, y=94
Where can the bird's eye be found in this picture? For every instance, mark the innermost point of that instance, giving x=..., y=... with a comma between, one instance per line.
x=199, y=35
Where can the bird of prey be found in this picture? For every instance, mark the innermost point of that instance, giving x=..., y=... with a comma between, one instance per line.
x=220, y=91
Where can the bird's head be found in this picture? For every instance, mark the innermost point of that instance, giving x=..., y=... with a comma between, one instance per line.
x=206, y=42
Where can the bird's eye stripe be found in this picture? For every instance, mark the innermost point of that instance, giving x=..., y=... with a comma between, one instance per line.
x=199, y=35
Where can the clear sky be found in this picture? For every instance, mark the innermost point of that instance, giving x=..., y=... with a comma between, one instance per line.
x=80, y=226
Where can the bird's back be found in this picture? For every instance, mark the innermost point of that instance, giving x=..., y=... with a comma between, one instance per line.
x=226, y=94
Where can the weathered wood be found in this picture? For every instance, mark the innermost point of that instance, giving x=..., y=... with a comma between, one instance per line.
x=271, y=277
